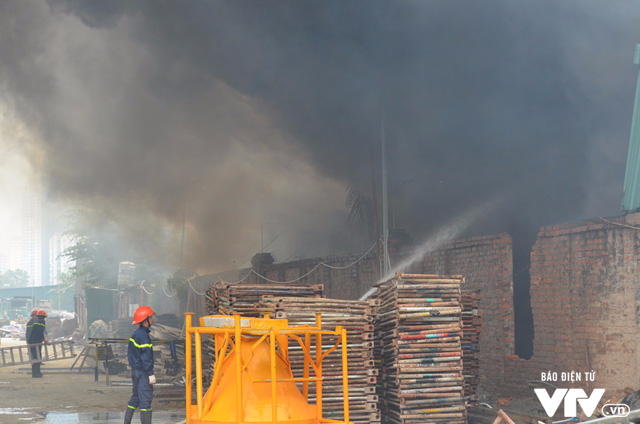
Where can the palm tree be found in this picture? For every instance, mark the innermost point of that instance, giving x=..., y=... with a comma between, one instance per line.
x=361, y=214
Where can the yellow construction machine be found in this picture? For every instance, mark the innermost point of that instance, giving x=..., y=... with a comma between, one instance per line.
x=252, y=380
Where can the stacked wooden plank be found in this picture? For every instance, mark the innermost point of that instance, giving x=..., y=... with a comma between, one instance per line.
x=420, y=323
x=228, y=299
x=471, y=330
x=357, y=318
x=120, y=328
x=377, y=355
x=244, y=299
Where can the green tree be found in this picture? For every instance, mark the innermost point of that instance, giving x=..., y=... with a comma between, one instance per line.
x=66, y=278
x=179, y=283
x=95, y=262
x=100, y=245
x=94, y=250
x=14, y=278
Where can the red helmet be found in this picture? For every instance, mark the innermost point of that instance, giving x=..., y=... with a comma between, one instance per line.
x=42, y=313
x=35, y=311
x=142, y=313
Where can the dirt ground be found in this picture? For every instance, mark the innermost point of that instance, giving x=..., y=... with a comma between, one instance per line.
x=25, y=399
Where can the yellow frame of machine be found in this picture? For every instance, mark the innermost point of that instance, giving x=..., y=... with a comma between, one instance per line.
x=271, y=332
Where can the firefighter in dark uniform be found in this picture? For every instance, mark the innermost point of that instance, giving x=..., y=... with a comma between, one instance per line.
x=140, y=354
x=34, y=318
x=37, y=337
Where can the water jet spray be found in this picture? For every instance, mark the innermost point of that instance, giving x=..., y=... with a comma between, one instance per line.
x=446, y=234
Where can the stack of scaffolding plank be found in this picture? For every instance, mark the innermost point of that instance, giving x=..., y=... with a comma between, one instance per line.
x=420, y=322
x=357, y=318
x=471, y=330
x=377, y=355
x=228, y=299
x=244, y=299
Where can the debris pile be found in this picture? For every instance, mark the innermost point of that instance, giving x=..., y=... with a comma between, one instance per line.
x=14, y=330
x=357, y=318
x=420, y=329
x=484, y=415
x=62, y=326
x=113, y=343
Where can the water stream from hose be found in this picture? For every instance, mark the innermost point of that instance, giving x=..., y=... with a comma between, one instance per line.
x=444, y=235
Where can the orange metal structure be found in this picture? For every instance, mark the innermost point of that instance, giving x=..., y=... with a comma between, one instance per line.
x=252, y=381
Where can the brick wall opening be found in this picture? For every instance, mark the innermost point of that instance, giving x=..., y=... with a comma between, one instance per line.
x=523, y=315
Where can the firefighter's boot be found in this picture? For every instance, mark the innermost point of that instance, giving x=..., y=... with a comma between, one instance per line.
x=128, y=415
x=145, y=417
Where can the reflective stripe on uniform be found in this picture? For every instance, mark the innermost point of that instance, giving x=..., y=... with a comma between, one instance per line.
x=140, y=346
x=146, y=409
x=132, y=407
x=39, y=323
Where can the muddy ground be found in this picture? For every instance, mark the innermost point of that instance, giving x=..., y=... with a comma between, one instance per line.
x=24, y=399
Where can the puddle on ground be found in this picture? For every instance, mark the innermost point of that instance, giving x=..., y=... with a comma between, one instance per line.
x=14, y=411
x=24, y=415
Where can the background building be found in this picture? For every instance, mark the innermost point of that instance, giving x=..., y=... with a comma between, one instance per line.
x=58, y=243
x=31, y=237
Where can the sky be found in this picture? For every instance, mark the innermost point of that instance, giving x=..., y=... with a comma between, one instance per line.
x=246, y=122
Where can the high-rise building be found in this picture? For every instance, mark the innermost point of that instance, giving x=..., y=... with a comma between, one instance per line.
x=15, y=254
x=4, y=262
x=31, y=237
x=58, y=243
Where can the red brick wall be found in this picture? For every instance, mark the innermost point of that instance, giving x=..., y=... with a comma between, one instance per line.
x=487, y=265
x=585, y=296
x=347, y=283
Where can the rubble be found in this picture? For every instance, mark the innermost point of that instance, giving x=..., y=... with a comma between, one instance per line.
x=14, y=330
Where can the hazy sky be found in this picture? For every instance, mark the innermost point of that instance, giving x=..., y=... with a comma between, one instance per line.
x=252, y=118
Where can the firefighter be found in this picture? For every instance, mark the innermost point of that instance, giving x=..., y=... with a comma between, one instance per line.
x=37, y=337
x=34, y=318
x=140, y=354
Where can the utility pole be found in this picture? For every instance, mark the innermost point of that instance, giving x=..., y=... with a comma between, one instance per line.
x=376, y=220
x=385, y=211
x=184, y=221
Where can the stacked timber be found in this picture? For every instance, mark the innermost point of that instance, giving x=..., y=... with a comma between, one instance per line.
x=357, y=317
x=471, y=330
x=245, y=299
x=237, y=298
x=377, y=355
x=121, y=328
x=420, y=325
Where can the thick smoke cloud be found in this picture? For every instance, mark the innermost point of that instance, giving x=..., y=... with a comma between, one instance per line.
x=235, y=114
